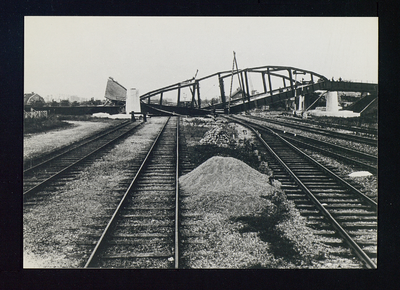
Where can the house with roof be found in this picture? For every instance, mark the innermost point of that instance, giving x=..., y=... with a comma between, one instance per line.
x=33, y=100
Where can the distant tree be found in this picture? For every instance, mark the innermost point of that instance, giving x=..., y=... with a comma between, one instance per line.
x=38, y=104
x=75, y=104
x=65, y=103
x=54, y=104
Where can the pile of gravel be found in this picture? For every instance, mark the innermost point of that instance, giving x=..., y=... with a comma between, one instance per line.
x=221, y=190
x=242, y=219
x=227, y=176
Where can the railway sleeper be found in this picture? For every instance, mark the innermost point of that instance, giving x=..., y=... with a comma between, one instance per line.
x=157, y=181
x=142, y=227
x=295, y=193
x=301, y=200
x=150, y=209
x=137, y=256
x=319, y=225
x=365, y=242
x=142, y=235
x=145, y=216
x=161, y=188
x=316, y=186
x=130, y=242
x=347, y=212
x=305, y=206
x=31, y=203
x=338, y=200
x=305, y=212
x=360, y=225
x=333, y=193
x=356, y=218
x=339, y=206
x=288, y=184
x=326, y=233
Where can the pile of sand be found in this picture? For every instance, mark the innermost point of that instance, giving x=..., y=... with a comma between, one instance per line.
x=226, y=183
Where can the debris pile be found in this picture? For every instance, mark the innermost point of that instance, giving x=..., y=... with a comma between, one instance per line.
x=217, y=136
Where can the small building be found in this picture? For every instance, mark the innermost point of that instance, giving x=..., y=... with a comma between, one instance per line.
x=33, y=100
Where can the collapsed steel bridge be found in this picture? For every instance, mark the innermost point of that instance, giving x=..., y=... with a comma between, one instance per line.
x=278, y=83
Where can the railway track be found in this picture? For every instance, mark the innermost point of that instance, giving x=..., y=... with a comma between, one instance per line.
x=60, y=167
x=320, y=131
x=343, y=215
x=31, y=163
x=356, y=129
x=361, y=160
x=143, y=231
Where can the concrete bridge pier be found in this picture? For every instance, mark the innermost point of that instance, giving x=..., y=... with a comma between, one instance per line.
x=332, y=102
x=301, y=103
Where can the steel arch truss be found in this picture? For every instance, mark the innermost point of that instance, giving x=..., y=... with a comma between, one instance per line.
x=278, y=83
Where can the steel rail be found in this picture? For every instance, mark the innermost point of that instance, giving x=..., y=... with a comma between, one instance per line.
x=342, y=232
x=74, y=146
x=370, y=168
x=371, y=202
x=113, y=218
x=306, y=143
x=369, y=141
x=362, y=155
x=356, y=129
x=36, y=187
x=177, y=198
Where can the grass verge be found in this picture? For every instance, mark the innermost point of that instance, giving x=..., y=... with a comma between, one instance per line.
x=41, y=125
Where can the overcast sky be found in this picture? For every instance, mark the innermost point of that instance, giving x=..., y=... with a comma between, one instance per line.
x=76, y=55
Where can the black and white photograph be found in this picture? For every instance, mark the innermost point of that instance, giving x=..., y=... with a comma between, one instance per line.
x=200, y=142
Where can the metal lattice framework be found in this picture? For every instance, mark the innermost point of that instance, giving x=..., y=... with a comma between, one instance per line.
x=278, y=83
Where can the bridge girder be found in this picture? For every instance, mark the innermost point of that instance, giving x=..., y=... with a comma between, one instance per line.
x=270, y=94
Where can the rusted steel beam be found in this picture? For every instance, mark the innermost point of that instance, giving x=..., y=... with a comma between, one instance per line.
x=243, y=89
x=283, y=68
x=291, y=82
x=222, y=90
x=269, y=82
x=198, y=94
x=170, y=88
x=193, y=95
x=312, y=82
x=247, y=86
x=263, y=80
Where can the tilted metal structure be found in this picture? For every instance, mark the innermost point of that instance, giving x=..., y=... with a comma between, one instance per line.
x=278, y=83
